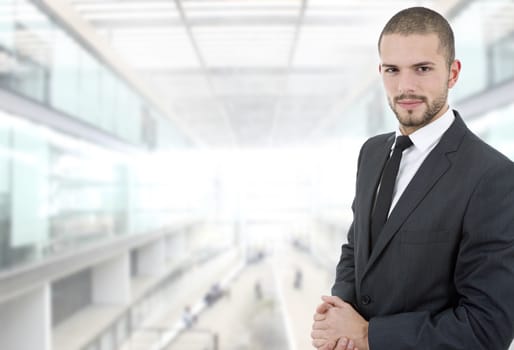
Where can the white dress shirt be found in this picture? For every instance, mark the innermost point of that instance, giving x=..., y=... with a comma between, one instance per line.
x=423, y=142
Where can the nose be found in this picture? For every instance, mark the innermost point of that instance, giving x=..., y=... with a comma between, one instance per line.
x=406, y=83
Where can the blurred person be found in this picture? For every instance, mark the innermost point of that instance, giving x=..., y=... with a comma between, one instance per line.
x=298, y=278
x=188, y=317
x=213, y=295
x=429, y=262
x=257, y=289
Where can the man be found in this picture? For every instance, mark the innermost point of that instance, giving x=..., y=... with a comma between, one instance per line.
x=429, y=262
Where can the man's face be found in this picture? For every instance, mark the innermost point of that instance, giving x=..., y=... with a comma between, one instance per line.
x=416, y=78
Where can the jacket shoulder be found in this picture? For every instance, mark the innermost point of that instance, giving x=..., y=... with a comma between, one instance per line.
x=378, y=141
x=483, y=154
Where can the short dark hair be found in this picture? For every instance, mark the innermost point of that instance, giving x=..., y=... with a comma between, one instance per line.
x=421, y=20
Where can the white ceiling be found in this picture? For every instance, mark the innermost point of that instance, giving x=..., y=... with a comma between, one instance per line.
x=249, y=73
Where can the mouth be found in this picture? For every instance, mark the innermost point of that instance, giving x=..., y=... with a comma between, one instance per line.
x=409, y=103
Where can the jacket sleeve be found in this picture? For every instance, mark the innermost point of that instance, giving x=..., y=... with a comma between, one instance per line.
x=483, y=316
x=344, y=286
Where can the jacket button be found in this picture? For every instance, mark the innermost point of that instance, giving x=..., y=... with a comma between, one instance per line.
x=365, y=299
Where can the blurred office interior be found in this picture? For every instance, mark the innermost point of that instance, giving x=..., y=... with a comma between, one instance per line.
x=178, y=174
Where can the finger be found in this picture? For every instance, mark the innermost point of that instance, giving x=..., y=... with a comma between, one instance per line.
x=330, y=345
x=341, y=344
x=319, y=317
x=319, y=334
x=316, y=334
x=319, y=325
x=351, y=345
x=324, y=307
x=319, y=343
x=333, y=300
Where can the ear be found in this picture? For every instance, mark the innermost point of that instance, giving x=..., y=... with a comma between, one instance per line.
x=379, y=68
x=454, y=73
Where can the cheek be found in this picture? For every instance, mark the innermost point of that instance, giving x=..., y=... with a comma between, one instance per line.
x=428, y=87
x=389, y=86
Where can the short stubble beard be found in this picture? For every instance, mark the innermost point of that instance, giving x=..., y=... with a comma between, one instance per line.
x=433, y=109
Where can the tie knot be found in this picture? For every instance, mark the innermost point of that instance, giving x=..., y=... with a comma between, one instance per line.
x=403, y=142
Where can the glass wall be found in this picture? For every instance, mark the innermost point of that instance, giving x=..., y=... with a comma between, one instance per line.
x=55, y=196
x=58, y=193
x=39, y=59
x=471, y=50
x=502, y=62
x=496, y=128
x=5, y=189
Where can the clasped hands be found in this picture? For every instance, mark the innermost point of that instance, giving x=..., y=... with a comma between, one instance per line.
x=337, y=326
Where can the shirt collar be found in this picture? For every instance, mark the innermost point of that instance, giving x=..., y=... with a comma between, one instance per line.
x=430, y=134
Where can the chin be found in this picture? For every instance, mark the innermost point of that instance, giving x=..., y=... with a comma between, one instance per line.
x=411, y=120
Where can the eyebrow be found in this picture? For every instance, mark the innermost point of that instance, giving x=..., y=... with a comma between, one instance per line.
x=426, y=63
x=420, y=64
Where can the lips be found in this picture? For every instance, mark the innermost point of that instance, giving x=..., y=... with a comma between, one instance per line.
x=409, y=104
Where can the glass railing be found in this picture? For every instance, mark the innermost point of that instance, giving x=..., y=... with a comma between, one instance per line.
x=41, y=60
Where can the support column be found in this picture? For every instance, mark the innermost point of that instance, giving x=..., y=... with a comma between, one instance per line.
x=111, y=281
x=25, y=321
x=151, y=258
x=176, y=246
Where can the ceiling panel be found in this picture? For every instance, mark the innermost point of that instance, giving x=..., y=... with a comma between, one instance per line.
x=256, y=73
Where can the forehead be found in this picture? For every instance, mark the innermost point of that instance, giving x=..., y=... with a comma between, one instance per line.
x=399, y=49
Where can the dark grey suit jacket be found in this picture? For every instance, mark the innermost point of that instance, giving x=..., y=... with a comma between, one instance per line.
x=441, y=275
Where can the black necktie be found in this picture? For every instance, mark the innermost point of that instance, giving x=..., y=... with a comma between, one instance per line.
x=385, y=193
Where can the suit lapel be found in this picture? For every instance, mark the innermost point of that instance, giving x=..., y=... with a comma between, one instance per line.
x=431, y=170
x=371, y=173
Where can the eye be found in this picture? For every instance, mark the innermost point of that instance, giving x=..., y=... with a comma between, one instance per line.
x=391, y=70
x=424, y=69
